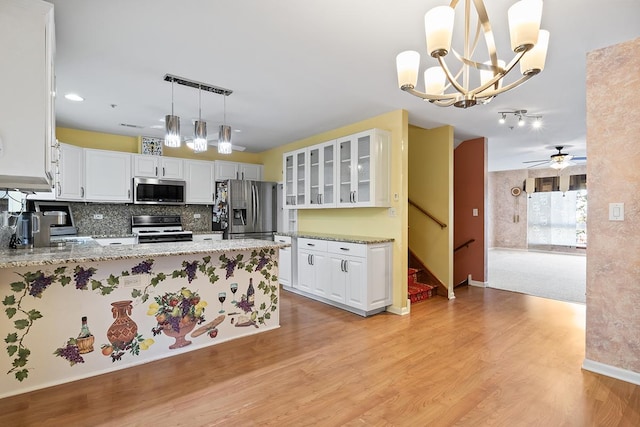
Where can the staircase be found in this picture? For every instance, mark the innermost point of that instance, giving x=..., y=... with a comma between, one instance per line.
x=419, y=291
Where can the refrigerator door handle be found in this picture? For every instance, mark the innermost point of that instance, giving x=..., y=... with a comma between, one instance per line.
x=256, y=205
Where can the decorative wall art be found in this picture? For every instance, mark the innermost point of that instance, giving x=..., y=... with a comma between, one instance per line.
x=152, y=146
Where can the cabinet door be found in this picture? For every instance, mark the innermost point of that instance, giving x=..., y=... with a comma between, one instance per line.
x=284, y=266
x=355, y=271
x=337, y=286
x=321, y=172
x=107, y=176
x=320, y=282
x=289, y=180
x=250, y=171
x=199, y=177
x=226, y=170
x=295, y=174
x=361, y=169
x=70, y=181
x=328, y=177
x=171, y=168
x=305, y=271
x=145, y=166
x=315, y=175
x=26, y=93
x=345, y=175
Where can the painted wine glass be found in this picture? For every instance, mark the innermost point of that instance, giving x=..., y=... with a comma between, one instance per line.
x=221, y=297
x=234, y=288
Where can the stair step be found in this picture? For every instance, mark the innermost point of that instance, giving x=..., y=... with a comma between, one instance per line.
x=420, y=291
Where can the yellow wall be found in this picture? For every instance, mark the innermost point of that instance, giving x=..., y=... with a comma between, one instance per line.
x=131, y=144
x=374, y=222
x=431, y=187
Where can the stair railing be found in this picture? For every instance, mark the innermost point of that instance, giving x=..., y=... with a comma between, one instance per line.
x=436, y=220
x=464, y=245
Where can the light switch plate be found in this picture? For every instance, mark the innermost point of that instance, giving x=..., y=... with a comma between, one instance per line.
x=616, y=211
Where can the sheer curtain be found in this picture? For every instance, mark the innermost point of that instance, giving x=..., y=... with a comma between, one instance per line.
x=557, y=219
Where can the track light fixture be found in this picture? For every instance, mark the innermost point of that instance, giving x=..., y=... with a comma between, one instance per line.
x=522, y=117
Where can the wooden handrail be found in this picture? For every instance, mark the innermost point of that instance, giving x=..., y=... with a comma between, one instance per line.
x=440, y=223
x=465, y=244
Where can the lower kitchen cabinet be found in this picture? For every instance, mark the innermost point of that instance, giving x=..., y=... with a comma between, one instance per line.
x=354, y=276
x=285, y=266
x=207, y=237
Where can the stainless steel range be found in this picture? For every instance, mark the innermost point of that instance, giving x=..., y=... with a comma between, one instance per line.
x=159, y=229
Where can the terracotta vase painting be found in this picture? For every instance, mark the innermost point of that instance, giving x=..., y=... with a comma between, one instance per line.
x=124, y=329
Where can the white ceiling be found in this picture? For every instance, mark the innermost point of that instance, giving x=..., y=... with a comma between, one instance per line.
x=298, y=68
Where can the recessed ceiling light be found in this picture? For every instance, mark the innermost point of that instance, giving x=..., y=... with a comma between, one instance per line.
x=74, y=97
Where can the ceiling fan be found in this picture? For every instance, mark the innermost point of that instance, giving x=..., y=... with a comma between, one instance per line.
x=558, y=160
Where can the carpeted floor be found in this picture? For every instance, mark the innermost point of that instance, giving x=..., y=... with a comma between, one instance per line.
x=549, y=275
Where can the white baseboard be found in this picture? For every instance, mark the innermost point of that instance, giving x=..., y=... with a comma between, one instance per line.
x=611, y=371
x=478, y=284
x=402, y=311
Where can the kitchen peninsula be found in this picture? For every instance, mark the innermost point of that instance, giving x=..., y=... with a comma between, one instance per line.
x=83, y=309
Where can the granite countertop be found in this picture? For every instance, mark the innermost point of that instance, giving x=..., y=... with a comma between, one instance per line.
x=91, y=251
x=338, y=237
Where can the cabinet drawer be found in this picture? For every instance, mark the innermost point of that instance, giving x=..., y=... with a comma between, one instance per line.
x=282, y=239
x=312, y=244
x=344, y=248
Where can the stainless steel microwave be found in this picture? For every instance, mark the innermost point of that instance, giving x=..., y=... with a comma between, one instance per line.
x=152, y=191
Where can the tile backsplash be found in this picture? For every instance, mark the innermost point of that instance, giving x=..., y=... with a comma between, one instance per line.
x=116, y=218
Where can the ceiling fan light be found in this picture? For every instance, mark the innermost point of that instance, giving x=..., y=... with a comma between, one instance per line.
x=224, y=140
x=200, y=143
x=172, y=131
x=524, y=24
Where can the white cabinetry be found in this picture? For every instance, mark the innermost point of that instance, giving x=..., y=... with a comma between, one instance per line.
x=353, y=276
x=109, y=241
x=321, y=190
x=295, y=178
x=363, y=172
x=207, y=237
x=107, y=176
x=312, y=266
x=70, y=175
x=285, y=267
x=235, y=170
x=157, y=167
x=27, y=121
x=199, y=177
x=353, y=171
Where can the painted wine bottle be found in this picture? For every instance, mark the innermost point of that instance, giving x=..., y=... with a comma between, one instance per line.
x=251, y=293
x=84, y=329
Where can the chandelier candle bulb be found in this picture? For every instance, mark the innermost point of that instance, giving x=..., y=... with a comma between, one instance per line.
x=486, y=75
x=533, y=62
x=407, y=64
x=434, y=80
x=524, y=24
x=438, y=24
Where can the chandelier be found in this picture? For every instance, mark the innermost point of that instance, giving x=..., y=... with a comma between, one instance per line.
x=528, y=42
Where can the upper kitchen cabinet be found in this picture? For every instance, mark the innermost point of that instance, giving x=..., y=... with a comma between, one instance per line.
x=70, y=175
x=107, y=176
x=199, y=175
x=322, y=192
x=363, y=173
x=295, y=169
x=234, y=170
x=27, y=123
x=160, y=167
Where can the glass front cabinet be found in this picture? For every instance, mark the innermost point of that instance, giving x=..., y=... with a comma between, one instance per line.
x=353, y=171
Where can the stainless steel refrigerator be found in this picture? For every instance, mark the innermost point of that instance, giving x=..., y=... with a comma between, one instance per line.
x=245, y=209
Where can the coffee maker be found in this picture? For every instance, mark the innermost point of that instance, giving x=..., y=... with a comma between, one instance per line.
x=33, y=229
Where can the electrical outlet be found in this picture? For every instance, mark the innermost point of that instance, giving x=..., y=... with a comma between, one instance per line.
x=98, y=216
x=131, y=281
x=392, y=212
x=197, y=216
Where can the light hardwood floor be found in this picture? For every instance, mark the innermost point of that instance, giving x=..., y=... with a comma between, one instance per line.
x=487, y=358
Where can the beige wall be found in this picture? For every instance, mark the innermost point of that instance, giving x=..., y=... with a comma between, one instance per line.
x=374, y=222
x=613, y=252
x=431, y=187
x=131, y=144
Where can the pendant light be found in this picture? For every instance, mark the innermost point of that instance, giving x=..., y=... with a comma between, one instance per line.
x=172, y=127
x=200, y=129
x=224, y=135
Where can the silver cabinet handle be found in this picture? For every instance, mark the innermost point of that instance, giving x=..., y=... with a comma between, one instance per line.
x=59, y=189
x=81, y=191
x=310, y=244
x=208, y=238
x=309, y=259
x=342, y=265
x=346, y=266
x=156, y=171
x=243, y=176
x=312, y=259
x=345, y=249
x=163, y=173
x=129, y=194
